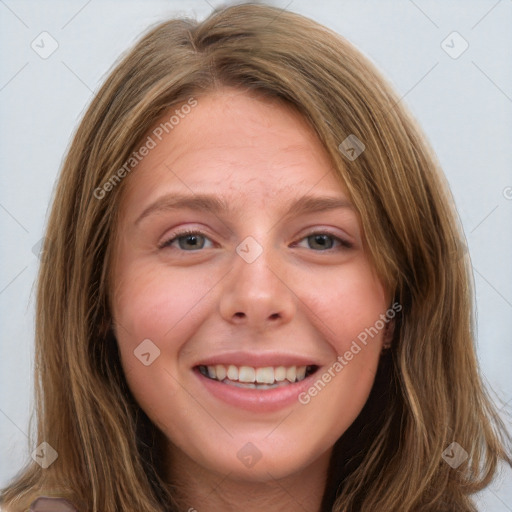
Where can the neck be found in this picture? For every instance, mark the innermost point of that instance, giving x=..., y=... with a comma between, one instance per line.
x=199, y=489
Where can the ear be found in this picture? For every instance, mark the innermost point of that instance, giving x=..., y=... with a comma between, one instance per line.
x=389, y=331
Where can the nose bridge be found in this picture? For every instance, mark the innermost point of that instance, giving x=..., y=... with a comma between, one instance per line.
x=257, y=293
x=256, y=266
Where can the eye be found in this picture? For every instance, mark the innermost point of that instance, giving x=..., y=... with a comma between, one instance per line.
x=187, y=241
x=325, y=241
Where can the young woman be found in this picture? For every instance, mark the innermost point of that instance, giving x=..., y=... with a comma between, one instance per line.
x=253, y=294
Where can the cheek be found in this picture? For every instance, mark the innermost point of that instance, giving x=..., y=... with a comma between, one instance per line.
x=152, y=301
x=346, y=308
x=163, y=306
x=346, y=304
x=155, y=312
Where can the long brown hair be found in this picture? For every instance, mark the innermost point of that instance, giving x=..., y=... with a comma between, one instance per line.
x=428, y=391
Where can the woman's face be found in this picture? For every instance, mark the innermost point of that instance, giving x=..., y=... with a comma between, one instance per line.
x=273, y=283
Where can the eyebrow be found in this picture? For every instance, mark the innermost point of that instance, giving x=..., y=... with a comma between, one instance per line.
x=217, y=205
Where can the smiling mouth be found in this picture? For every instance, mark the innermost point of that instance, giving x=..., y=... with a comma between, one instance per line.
x=248, y=377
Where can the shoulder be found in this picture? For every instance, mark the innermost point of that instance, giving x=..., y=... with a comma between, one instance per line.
x=42, y=504
x=47, y=504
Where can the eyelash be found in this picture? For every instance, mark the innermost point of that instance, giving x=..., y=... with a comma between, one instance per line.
x=343, y=244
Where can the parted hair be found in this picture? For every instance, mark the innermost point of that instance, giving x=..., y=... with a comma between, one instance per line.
x=428, y=390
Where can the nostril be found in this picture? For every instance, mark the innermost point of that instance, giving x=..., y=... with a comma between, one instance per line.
x=274, y=316
x=239, y=315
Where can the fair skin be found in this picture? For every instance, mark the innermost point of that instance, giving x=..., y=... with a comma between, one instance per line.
x=196, y=298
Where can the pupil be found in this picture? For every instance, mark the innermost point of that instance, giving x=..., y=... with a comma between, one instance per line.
x=189, y=241
x=323, y=241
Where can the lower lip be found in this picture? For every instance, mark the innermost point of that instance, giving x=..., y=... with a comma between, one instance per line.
x=258, y=400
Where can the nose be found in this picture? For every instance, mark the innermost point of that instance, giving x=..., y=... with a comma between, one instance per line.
x=257, y=294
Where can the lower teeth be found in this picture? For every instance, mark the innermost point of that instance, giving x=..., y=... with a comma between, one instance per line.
x=252, y=385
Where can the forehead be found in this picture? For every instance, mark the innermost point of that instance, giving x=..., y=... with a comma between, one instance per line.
x=244, y=146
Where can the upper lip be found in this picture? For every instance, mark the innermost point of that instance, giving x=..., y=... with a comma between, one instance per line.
x=258, y=359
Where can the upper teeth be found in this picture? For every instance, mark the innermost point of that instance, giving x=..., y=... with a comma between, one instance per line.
x=266, y=375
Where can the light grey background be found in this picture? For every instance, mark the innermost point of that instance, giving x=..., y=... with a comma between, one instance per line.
x=464, y=105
